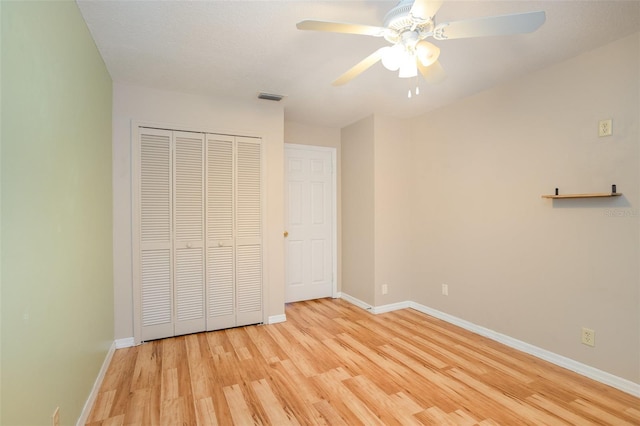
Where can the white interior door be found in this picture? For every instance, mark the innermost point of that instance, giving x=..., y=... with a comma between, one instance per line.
x=309, y=198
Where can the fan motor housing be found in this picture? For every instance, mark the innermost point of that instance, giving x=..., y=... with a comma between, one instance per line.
x=398, y=17
x=399, y=20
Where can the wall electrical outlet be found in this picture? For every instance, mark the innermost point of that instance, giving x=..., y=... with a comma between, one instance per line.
x=605, y=128
x=588, y=337
x=55, y=417
x=385, y=289
x=445, y=290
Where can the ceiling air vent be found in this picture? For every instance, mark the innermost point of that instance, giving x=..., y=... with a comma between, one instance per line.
x=270, y=96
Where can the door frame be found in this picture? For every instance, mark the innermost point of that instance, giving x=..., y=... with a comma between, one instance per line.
x=334, y=208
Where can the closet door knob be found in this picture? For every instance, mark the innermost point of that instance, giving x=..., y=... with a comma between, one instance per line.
x=188, y=245
x=286, y=234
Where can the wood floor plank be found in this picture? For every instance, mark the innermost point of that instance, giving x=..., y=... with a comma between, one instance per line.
x=435, y=416
x=276, y=412
x=507, y=402
x=385, y=406
x=406, y=404
x=603, y=416
x=240, y=411
x=270, y=351
x=297, y=395
x=102, y=406
x=205, y=412
x=121, y=373
x=333, y=363
x=298, y=355
x=358, y=364
x=562, y=412
x=330, y=415
x=350, y=407
x=169, y=387
x=462, y=418
x=293, y=382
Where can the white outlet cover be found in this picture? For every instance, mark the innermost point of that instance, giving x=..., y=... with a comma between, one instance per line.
x=605, y=127
x=588, y=337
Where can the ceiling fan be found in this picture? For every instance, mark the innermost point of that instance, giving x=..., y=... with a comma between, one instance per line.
x=409, y=24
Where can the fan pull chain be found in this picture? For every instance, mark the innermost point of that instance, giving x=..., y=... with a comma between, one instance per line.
x=417, y=91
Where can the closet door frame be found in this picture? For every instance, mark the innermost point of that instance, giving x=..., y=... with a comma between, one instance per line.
x=136, y=126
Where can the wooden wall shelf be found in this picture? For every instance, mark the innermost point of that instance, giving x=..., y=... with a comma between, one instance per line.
x=592, y=195
x=613, y=193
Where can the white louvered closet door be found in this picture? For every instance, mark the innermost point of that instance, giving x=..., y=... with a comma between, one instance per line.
x=197, y=247
x=153, y=248
x=188, y=219
x=221, y=297
x=234, y=231
x=248, y=215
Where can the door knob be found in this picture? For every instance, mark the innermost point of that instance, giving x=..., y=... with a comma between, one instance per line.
x=286, y=234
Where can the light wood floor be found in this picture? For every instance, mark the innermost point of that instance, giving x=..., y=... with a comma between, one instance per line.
x=333, y=363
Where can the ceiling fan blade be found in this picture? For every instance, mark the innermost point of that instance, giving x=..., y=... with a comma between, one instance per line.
x=425, y=9
x=359, y=68
x=490, y=26
x=341, y=27
x=434, y=73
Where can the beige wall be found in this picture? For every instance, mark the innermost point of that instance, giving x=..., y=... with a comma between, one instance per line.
x=358, y=251
x=56, y=260
x=535, y=269
x=258, y=118
x=393, y=189
x=377, y=214
x=304, y=134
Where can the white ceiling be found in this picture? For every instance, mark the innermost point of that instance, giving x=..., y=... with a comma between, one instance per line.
x=239, y=48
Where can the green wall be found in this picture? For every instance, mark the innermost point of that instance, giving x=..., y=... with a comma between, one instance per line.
x=56, y=212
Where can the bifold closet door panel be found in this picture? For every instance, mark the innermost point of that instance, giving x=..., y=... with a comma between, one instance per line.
x=248, y=231
x=153, y=245
x=188, y=217
x=197, y=232
x=221, y=296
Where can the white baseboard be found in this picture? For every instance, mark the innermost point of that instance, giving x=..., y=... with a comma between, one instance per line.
x=374, y=309
x=127, y=342
x=88, y=405
x=390, y=307
x=562, y=361
x=274, y=319
x=359, y=303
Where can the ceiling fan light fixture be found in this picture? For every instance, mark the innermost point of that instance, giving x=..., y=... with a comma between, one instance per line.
x=427, y=53
x=406, y=27
x=392, y=57
x=409, y=68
